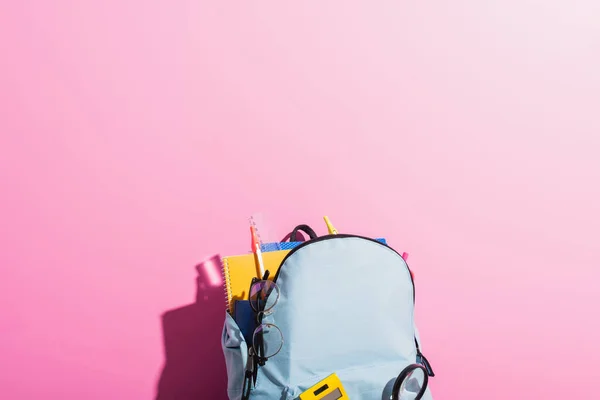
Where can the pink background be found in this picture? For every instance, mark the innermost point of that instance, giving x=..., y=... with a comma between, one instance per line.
x=137, y=137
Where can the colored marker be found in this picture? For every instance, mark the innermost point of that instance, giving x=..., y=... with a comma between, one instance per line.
x=412, y=274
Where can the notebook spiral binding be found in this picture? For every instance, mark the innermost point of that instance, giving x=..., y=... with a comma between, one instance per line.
x=226, y=284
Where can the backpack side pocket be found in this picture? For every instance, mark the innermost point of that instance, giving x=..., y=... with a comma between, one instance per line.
x=235, y=351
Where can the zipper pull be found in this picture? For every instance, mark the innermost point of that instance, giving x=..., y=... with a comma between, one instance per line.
x=423, y=361
x=249, y=375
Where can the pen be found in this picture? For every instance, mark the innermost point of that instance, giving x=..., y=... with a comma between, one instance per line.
x=258, y=260
x=330, y=228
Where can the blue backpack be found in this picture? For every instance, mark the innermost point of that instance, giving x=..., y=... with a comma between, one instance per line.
x=338, y=304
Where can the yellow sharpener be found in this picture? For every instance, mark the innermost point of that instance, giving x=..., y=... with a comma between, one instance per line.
x=329, y=388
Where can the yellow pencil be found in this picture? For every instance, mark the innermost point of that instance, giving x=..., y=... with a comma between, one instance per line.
x=330, y=228
x=258, y=260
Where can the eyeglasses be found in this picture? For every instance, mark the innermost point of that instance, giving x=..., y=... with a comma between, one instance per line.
x=267, y=339
x=411, y=383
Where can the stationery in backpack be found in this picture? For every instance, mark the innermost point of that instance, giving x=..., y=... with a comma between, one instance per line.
x=239, y=270
x=292, y=243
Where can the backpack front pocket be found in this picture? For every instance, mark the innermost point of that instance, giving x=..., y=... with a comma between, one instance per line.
x=374, y=382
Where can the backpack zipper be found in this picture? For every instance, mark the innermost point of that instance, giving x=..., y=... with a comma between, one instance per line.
x=336, y=236
x=423, y=361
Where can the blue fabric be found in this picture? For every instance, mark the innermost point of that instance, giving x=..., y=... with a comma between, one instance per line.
x=275, y=246
x=345, y=306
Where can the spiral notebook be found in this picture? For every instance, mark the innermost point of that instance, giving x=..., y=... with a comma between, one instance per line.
x=239, y=270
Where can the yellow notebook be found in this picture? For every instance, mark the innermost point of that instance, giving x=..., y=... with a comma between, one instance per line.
x=238, y=272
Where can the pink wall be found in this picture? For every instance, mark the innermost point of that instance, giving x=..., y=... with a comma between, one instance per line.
x=466, y=132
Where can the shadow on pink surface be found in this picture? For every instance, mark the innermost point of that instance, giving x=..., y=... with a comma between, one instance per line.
x=194, y=367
